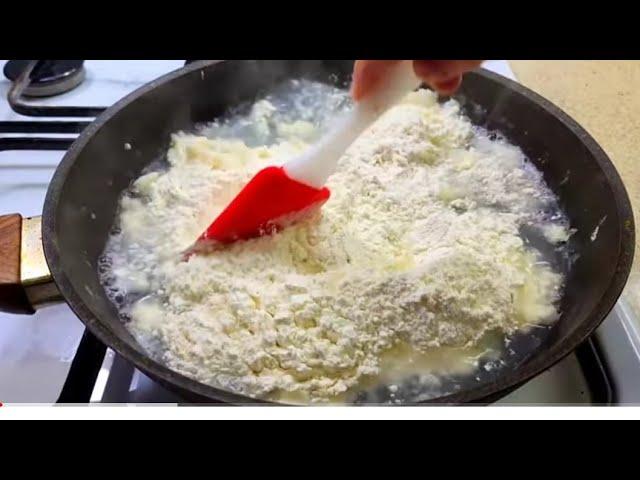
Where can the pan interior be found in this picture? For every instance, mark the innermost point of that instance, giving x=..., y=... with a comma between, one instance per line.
x=105, y=162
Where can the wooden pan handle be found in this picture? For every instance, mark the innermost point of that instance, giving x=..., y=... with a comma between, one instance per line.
x=13, y=298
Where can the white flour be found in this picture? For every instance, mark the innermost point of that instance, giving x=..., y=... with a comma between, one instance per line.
x=419, y=247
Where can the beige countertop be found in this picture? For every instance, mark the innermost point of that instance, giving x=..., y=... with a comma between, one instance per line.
x=603, y=96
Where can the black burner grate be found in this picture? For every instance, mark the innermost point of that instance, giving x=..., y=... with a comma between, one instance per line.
x=22, y=82
x=88, y=359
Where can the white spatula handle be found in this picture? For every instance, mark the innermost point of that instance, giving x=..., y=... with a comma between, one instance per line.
x=316, y=165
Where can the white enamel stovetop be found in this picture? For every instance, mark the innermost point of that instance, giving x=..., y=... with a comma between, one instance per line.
x=36, y=351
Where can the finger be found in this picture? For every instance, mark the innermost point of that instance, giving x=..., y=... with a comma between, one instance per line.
x=442, y=70
x=447, y=87
x=367, y=74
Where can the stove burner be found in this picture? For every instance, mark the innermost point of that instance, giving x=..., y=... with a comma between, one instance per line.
x=49, y=77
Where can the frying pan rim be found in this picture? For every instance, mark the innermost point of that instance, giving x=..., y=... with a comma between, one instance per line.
x=503, y=385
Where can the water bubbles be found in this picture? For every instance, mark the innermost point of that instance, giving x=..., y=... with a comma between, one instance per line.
x=256, y=123
x=104, y=264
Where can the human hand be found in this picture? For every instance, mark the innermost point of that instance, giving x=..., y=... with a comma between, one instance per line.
x=444, y=76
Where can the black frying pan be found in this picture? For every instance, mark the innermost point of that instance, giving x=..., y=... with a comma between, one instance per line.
x=81, y=203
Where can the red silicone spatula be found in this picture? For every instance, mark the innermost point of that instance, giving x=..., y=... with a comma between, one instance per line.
x=279, y=196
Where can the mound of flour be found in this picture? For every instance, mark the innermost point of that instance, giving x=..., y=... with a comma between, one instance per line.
x=419, y=245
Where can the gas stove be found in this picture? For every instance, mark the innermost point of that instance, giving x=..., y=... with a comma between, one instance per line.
x=50, y=358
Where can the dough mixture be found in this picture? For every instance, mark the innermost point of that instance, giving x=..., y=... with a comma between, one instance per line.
x=419, y=248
